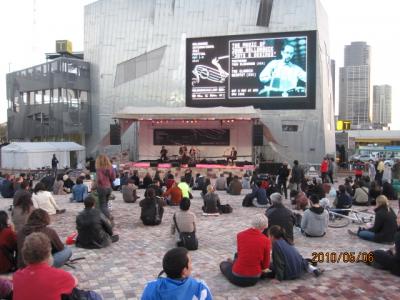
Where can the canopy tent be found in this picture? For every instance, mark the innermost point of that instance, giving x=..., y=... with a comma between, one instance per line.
x=26, y=155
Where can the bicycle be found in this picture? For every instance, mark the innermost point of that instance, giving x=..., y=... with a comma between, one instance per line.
x=341, y=217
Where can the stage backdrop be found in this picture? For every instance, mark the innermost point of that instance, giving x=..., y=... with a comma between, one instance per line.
x=239, y=131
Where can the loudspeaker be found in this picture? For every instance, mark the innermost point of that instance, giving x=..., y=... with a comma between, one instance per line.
x=258, y=135
x=240, y=163
x=153, y=164
x=175, y=164
x=115, y=134
x=192, y=165
x=222, y=162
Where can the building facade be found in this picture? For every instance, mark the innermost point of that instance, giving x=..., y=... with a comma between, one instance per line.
x=50, y=102
x=136, y=50
x=382, y=105
x=355, y=102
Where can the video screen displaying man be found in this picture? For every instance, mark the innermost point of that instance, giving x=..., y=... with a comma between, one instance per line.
x=282, y=77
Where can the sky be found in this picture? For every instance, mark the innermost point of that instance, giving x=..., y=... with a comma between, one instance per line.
x=29, y=28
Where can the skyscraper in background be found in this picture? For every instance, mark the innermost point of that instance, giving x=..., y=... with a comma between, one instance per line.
x=355, y=85
x=382, y=105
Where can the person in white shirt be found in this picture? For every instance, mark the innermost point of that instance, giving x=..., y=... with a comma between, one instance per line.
x=44, y=200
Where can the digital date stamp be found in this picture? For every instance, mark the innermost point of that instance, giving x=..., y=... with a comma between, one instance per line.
x=345, y=257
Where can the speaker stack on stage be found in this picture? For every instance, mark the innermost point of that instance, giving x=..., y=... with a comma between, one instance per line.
x=258, y=139
x=115, y=134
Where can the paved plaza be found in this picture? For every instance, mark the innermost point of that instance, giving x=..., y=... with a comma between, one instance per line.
x=122, y=270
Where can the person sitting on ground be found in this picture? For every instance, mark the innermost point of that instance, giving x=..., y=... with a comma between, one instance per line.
x=390, y=259
x=375, y=191
x=156, y=186
x=385, y=225
x=317, y=188
x=278, y=214
x=299, y=200
x=287, y=263
x=189, y=178
x=204, y=191
x=94, y=228
x=38, y=221
x=6, y=289
x=7, y=187
x=211, y=201
x=124, y=178
x=348, y=185
x=88, y=182
x=235, y=186
x=152, y=208
x=258, y=197
x=361, y=195
x=342, y=200
x=129, y=192
x=68, y=183
x=23, y=191
x=147, y=180
x=229, y=178
x=79, y=191
x=58, y=186
x=220, y=183
x=44, y=200
x=315, y=219
x=173, y=195
x=136, y=179
x=48, y=181
x=185, y=188
x=185, y=220
x=38, y=280
x=199, y=182
x=177, y=265
x=116, y=184
x=8, y=244
x=388, y=191
x=246, y=182
x=253, y=255
x=22, y=209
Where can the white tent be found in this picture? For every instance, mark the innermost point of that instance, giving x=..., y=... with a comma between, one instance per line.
x=39, y=154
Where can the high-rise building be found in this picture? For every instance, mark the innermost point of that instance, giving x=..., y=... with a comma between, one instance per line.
x=382, y=105
x=355, y=84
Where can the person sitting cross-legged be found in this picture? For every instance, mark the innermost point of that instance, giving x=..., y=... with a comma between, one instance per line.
x=152, y=209
x=184, y=219
x=258, y=197
x=235, y=186
x=315, y=219
x=177, y=265
x=385, y=225
x=94, y=228
x=212, y=202
x=129, y=192
x=287, y=263
x=79, y=191
x=253, y=255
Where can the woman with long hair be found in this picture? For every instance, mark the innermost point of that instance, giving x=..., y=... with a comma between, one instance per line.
x=39, y=221
x=385, y=225
x=8, y=244
x=23, y=207
x=43, y=199
x=104, y=176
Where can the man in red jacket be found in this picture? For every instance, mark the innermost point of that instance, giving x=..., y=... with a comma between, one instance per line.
x=253, y=255
x=324, y=169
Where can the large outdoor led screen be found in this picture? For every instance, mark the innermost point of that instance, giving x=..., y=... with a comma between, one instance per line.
x=269, y=70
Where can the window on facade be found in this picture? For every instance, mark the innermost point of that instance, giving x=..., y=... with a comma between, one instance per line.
x=55, y=96
x=24, y=97
x=46, y=96
x=38, y=97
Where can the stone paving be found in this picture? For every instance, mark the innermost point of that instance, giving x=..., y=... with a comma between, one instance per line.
x=122, y=270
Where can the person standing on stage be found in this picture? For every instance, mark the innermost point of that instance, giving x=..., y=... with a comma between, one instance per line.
x=182, y=150
x=193, y=153
x=163, y=154
x=232, y=156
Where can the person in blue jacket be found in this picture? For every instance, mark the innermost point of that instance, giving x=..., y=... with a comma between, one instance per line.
x=178, y=285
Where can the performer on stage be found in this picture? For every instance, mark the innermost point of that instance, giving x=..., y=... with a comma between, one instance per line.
x=232, y=156
x=194, y=153
x=163, y=154
x=182, y=150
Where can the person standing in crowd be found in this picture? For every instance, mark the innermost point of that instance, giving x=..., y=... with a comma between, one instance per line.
x=331, y=169
x=283, y=174
x=94, y=229
x=324, y=169
x=177, y=265
x=371, y=169
x=105, y=176
x=380, y=168
x=296, y=176
x=54, y=165
x=253, y=255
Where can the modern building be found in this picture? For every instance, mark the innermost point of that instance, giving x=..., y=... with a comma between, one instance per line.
x=50, y=101
x=382, y=105
x=355, y=85
x=136, y=50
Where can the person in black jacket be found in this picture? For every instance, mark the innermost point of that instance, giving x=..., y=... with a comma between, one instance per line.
x=390, y=259
x=279, y=215
x=283, y=174
x=152, y=208
x=94, y=229
x=7, y=187
x=342, y=200
x=385, y=225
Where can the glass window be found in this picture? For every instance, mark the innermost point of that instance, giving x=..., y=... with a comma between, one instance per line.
x=38, y=97
x=24, y=98
x=83, y=96
x=55, y=95
x=54, y=66
x=46, y=96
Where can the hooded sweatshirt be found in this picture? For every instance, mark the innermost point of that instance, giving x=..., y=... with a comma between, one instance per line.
x=175, y=289
x=315, y=221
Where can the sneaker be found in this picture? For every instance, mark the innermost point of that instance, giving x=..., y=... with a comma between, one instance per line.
x=318, y=272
